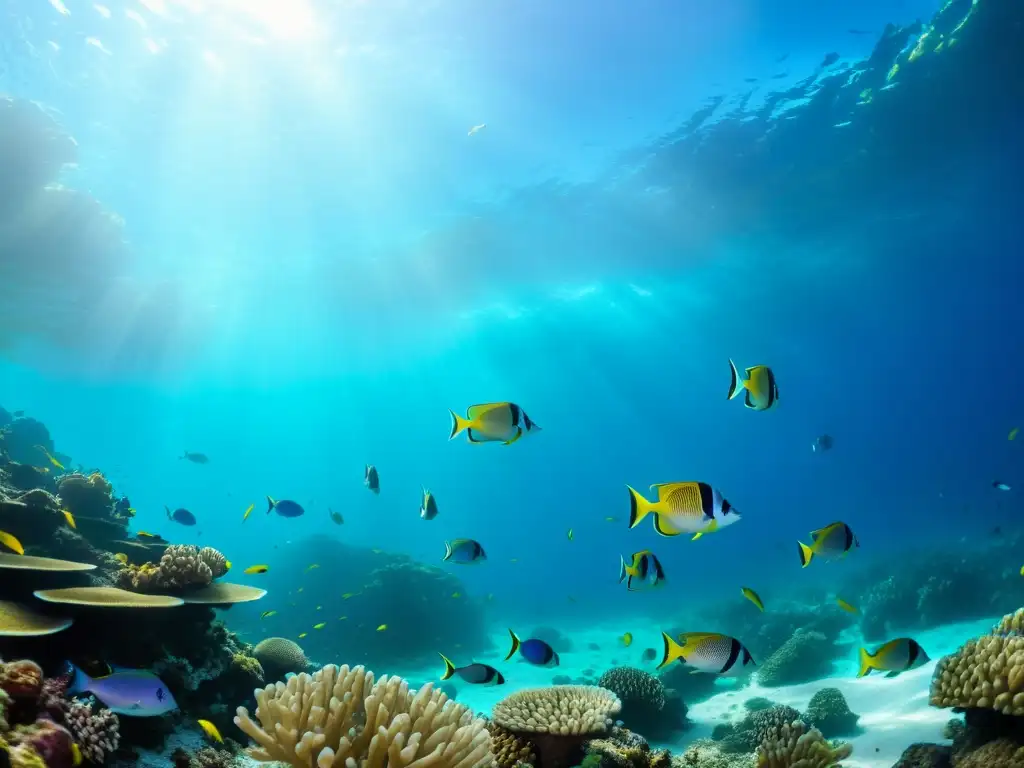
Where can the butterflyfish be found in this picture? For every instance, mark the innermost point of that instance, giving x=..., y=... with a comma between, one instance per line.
x=833, y=541
x=464, y=551
x=753, y=597
x=371, y=479
x=687, y=507
x=643, y=571
x=474, y=674
x=493, y=423
x=121, y=557
x=627, y=639
x=535, y=651
x=210, y=730
x=894, y=657
x=428, y=505
x=11, y=542
x=708, y=652
x=759, y=384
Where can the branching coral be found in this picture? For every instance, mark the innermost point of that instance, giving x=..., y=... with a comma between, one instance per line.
x=558, y=719
x=181, y=566
x=793, y=746
x=341, y=716
x=97, y=734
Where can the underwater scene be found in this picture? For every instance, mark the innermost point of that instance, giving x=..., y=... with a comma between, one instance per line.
x=511, y=384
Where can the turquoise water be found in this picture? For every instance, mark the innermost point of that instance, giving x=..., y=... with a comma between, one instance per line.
x=316, y=257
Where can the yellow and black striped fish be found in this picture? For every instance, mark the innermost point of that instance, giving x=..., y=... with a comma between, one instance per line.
x=833, y=541
x=643, y=569
x=758, y=383
x=894, y=657
x=708, y=652
x=493, y=423
x=689, y=507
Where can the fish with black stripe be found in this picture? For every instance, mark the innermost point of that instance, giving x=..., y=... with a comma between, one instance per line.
x=708, y=652
x=689, y=507
x=894, y=657
x=758, y=383
x=493, y=423
x=644, y=568
x=834, y=541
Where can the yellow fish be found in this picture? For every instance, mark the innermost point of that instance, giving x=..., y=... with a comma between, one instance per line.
x=894, y=657
x=131, y=512
x=69, y=517
x=347, y=595
x=210, y=730
x=382, y=627
x=312, y=566
x=268, y=614
x=1013, y=433
x=321, y=625
x=456, y=594
x=493, y=423
x=11, y=543
x=683, y=507
x=302, y=635
x=256, y=569
x=570, y=534
x=758, y=383
x=753, y=597
x=227, y=564
x=627, y=639
x=849, y=608
x=52, y=460
x=121, y=557
x=76, y=755
x=342, y=618
x=248, y=511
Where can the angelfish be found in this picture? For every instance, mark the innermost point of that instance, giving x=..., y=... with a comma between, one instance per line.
x=131, y=692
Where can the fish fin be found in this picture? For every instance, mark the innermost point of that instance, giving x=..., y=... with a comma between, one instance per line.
x=806, y=553
x=663, y=527
x=866, y=664
x=736, y=383
x=639, y=507
x=447, y=551
x=168, y=511
x=270, y=505
x=894, y=673
x=449, y=668
x=515, y=645
x=458, y=424
x=710, y=529
x=519, y=433
x=673, y=651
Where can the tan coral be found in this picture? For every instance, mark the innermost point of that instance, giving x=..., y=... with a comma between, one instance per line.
x=794, y=746
x=510, y=749
x=182, y=566
x=342, y=716
x=986, y=673
x=559, y=709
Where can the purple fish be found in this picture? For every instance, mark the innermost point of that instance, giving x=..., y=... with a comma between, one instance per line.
x=131, y=692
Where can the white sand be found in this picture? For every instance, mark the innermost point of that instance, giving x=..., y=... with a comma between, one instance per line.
x=894, y=712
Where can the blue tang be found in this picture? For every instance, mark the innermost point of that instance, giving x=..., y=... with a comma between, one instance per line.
x=534, y=651
x=131, y=692
x=285, y=508
x=182, y=516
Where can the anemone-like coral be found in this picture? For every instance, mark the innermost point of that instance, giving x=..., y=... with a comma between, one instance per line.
x=278, y=656
x=807, y=655
x=794, y=746
x=341, y=716
x=830, y=714
x=558, y=719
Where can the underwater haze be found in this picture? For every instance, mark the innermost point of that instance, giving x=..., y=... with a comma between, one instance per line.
x=252, y=249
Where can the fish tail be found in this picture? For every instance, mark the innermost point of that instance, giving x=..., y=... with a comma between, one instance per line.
x=639, y=507
x=622, y=569
x=447, y=551
x=515, y=645
x=168, y=511
x=673, y=650
x=736, y=382
x=458, y=424
x=449, y=668
x=806, y=553
x=270, y=505
x=866, y=663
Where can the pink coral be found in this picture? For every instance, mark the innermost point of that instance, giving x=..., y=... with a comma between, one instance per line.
x=97, y=733
x=21, y=679
x=48, y=740
x=51, y=700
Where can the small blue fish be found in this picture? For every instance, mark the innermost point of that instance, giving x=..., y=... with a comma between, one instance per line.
x=534, y=651
x=196, y=458
x=464, y=551
x=182, y=516
x=131, y=692
x=285, y=508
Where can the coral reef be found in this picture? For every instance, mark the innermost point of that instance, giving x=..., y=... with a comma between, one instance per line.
x=792, y=745
x=645, y=701
x=86, y=496
x=558, y=720
x=924, y=756
x=703, y=753
x=687, y=684
x=97, y=733
x=181, y=567
x=373, y=723
x=806, y=656
x=829, y=713
x=744, y=736
x=624, y=749
x=510, y=749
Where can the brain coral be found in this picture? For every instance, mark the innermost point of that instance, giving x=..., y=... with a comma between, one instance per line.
x=278, y=656
x=635, y=688
x=986, y=673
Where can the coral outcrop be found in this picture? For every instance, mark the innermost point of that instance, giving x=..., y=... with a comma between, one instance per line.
x=181, y=567
x=278, y=656
x=342, y=716
x=806, y=656
x=646, y=704
x=829, y=713
x=510, y=749
x=793, y=745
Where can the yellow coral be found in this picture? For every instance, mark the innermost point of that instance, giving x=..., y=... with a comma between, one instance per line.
x=247, y=664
